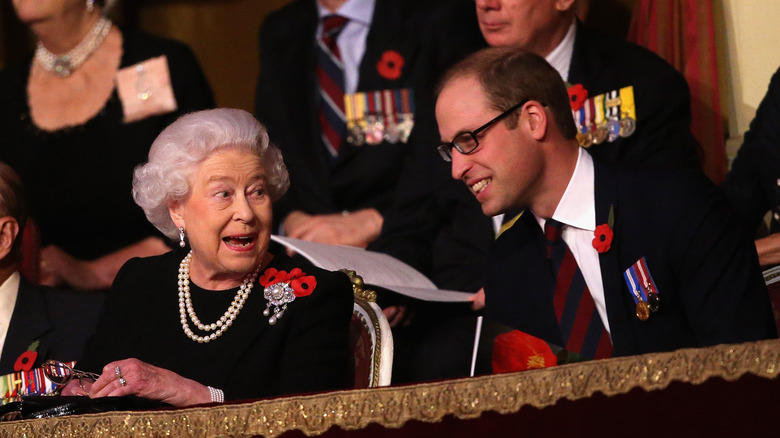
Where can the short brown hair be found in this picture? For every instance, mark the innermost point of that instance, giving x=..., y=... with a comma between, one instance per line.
x=12, y=202
x=509, y=75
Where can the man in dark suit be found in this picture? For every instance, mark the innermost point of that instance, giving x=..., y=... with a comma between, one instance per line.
x=340, y=196
x=60, y=321
x=753, y=182
x=442, y=231
x=701, y=284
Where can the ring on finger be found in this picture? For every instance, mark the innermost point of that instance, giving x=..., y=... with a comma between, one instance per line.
x=117, y=372
x=122, y=381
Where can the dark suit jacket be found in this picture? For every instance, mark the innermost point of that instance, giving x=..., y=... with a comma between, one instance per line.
x=306, y=350
x=443, y=232
x=61, y=320
x=286, y=103
x=703, y=263
x=751, y=184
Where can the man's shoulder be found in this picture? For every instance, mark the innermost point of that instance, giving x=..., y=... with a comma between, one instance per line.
x=285, y=20
x=63, y=306
x=610, y=58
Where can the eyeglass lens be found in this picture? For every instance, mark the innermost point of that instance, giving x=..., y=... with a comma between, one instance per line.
x=61, y=373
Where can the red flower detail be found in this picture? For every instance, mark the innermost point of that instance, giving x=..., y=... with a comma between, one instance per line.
x=303, y=286
x=602, y=239
x=577, y=96
x=390, y=65
x=518, y=351
x=25, y=361
x=271, y=276
x=295, y=273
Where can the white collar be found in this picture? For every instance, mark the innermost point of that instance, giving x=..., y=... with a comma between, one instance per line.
x=577, y=207
x=8, y=293
x=360, y=11
x=560, y=57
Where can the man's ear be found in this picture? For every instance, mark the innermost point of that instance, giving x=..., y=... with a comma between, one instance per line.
x=536, y=120
x=564, y=5
x=9, y=230
x=175, y=210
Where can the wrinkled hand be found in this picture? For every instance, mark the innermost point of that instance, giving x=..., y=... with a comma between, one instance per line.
x=478, y=300
x=58, y=268
x=358, y=228
x=147, y=381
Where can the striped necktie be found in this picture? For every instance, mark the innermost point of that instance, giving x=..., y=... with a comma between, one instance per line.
x=330, y=76
x=578, y=319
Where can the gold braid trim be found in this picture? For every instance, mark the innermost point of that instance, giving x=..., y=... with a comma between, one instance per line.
x=429, y=402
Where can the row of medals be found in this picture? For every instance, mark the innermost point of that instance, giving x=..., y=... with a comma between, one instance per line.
x=610, y=131
x=643, y=308
x=376, y=130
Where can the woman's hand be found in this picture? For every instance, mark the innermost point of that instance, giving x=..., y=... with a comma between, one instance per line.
x=148, y=381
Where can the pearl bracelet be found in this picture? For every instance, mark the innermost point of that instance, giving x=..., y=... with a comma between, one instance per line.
x=217, y=396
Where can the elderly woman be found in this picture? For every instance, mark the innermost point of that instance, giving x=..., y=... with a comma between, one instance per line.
x=223, y=317
x=76, y=117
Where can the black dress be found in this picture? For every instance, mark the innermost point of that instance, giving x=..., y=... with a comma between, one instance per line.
x=79, y=179
x=306, y=350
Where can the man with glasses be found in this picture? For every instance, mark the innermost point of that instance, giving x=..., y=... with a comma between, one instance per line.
x=603, y=261
x=49, y=323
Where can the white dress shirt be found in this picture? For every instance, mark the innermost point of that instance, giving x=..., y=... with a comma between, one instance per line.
x=8, y=293
x=352, y=39
x=577, y=212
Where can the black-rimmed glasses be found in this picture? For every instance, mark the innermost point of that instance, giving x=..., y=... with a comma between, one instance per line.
x=466, y=142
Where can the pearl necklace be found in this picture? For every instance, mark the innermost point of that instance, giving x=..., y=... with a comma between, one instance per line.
x=64, y=65
x=225, y=321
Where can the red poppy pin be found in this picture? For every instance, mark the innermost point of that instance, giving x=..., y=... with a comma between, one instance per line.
x=26, y=360
x=602, y=235
x=390, y=65
x=282, y=288
x=577, y=96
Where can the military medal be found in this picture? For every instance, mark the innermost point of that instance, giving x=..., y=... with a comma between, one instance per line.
x=627, y=126
x=405, y=97
x=642, y=310
x=612, y=102
x=599, y=123
x=642, y=288
x=355, y=135
x=627, y=111
x=653, y=301
x=374, y=126
x=392, y=134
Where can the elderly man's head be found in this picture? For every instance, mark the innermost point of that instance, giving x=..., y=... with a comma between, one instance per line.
x=502, y=112
x=13, y=213
x=534, y=25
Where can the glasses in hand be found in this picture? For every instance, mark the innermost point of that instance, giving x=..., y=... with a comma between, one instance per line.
x=61, y=374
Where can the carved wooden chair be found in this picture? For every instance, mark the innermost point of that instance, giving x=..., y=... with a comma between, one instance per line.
x=370, y=338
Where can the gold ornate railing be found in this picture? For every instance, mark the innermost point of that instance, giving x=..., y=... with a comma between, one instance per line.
x=392, y=407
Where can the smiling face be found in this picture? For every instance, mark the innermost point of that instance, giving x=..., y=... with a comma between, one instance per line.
x=534, y=25
x=504, y=169
x=227, y=218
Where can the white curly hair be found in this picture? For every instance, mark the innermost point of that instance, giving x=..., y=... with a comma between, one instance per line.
x=180, y=148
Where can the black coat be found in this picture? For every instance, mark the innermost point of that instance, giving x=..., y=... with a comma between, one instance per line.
x=61, y=320
x=306, y=350
x=703, y=263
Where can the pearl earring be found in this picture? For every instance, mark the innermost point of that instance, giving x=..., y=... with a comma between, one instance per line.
x=90, y=5
x=181, y=237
